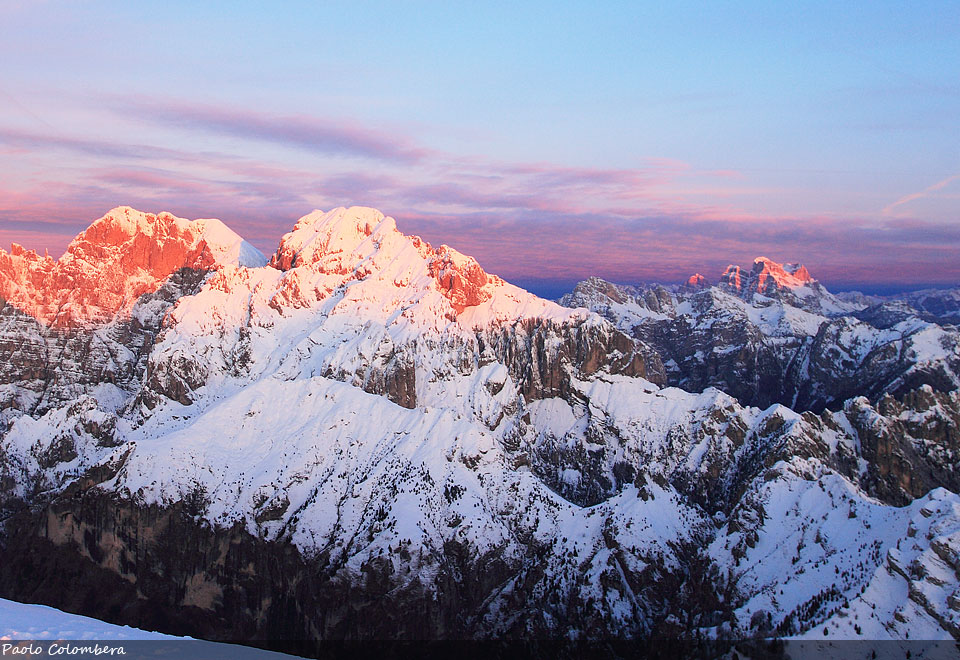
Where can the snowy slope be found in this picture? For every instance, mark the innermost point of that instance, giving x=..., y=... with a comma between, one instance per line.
x=428, y=451
x=21, y=621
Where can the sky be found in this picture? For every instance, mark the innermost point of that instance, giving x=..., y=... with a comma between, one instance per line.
x=552, y=141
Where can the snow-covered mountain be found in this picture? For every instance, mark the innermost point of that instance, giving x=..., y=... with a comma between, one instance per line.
x=791, y=284
x=86, y=320
x=794, y=343
x=370, y=436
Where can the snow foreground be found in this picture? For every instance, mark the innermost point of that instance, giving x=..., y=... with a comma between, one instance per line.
x=21, y=621
x=23, y=625
x=368, y=436
x=31, y=630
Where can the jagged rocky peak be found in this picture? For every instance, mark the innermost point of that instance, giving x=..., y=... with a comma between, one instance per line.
x=696, y=282
x=121, y=256
x=789, y=283
x=770, y=273
x=622, y=304
x=594, y=289
x=765, y=277
x=160, y=243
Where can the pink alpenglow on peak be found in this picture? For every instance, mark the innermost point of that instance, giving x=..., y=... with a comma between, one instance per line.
x=461, y=278
x=731, y=277
x=120, y=257
x=766, y=276
x=791, y=284
x=783, y=275
x=357, y=252
x=358, y=241
x=696, y=281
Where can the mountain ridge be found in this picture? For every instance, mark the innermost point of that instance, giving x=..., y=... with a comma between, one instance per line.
x=119, y=257
x=373, y=437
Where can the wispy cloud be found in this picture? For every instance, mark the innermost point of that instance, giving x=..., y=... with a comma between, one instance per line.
x=661, y=220
x=299, y=131
x=32, y=141
x=926, y=192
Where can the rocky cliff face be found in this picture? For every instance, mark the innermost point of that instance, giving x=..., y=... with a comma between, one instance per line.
x=936, y=305
x=87, y=321
x=371, y=437
x=807, y=352
x=106, y=269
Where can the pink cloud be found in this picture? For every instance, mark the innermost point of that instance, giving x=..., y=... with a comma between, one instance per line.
x=531, y=221
x=922, y=194
x=299, y=131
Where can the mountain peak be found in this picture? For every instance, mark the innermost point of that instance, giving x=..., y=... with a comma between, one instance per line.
x=320, y=234
x=124, y=222
x=360, y=241
x=790, y=283
x=696, y=282
x=783, y=275
x=118, y=258
x=766, y=277
x=154, y=239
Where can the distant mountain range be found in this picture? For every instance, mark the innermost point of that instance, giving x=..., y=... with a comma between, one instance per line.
x=366, y=436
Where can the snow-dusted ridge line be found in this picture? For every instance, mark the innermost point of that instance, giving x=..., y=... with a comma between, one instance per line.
x=350, y=297
x=123, y=223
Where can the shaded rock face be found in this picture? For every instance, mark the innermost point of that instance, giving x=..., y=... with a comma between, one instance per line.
x=391, y=372
x=939, y=306
x=543, y=356
x=727, y=354
x=55, y=459
x=820, y=363
x=911, y=443
x=887, y=314
x=602, y=297
x=805, y=373
x=42, y=367
x=162, y=568
x=830, y=369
